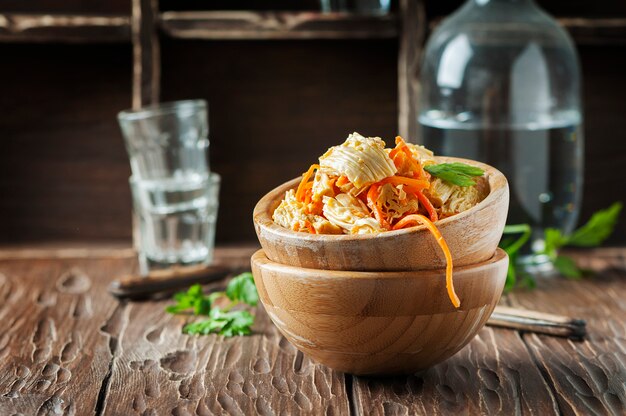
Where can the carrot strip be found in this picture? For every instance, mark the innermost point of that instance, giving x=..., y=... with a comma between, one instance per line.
x=420, y=219
x=305, y=178
x=372, y=197
x=309, y=227
x=416, y=166
x=343, y=179
x=432, y=213
x=415, y=184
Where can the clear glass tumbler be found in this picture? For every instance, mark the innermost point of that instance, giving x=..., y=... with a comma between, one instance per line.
x=364, y=7
x=175, y=196
x=167, y=140
x=175, y=220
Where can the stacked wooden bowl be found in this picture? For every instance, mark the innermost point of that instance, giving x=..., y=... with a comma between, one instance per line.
x=377, y=303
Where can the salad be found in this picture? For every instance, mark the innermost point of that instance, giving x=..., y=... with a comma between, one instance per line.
x=363, y=187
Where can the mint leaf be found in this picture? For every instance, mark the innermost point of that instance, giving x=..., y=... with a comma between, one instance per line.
x=567, y=267
x=242, y=289
x=597, y=229
x=456, y=173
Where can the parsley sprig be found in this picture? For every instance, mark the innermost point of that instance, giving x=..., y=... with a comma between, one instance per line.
x=593, y=233
x=456, y=173
x=223, y=321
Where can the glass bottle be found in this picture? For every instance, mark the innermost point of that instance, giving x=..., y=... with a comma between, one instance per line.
x=501, y=84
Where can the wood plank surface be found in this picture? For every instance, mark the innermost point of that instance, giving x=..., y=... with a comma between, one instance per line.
x=505, y=372
x=588, y=377
x=156, y=370
x=67, y=347
x=494, y=374
x=54, y=351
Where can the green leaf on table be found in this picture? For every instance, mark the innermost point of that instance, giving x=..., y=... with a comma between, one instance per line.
x=241, y=288
x=456, y=173
x=228, y=324
x=528, y=281
x=553, y=240
x=512, y=245
x=193, y=299
x=597, y=229
x=567, y=267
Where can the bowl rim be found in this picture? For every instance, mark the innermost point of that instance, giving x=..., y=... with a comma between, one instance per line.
x=260, y=259
x=497, y=185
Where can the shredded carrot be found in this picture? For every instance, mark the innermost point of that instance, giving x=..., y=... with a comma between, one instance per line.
x=420, y=219
x=432, y=213
x=372, y=197
x=305, y=178
x=416, y=166
x=343, y=179
x=414, y=184
x=309, y=227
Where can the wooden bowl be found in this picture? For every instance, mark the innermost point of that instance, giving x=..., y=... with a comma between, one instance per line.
x=472, y=236
x=378, y=322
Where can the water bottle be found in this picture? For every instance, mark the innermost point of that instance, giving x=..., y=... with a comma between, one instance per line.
x=501, y=84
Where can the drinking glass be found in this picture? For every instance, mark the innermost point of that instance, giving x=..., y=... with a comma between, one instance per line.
x=364, y=7
x=175, y=196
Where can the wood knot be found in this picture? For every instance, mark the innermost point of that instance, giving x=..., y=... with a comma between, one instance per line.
x=73, y=281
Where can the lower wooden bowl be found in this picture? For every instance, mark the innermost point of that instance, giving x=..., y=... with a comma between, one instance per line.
x=378, y=322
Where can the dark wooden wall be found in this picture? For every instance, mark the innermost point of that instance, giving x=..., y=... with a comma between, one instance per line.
x=274, y=106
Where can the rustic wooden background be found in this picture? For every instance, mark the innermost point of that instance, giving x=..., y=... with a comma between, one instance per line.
x=274, y=106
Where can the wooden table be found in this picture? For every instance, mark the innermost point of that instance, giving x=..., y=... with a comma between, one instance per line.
x=67, y=347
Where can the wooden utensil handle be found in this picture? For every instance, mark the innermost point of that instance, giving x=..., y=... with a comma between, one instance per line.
x=538, y=322
x=134, y=286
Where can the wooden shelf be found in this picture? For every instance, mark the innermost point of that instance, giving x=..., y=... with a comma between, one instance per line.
x=64, y=28
x=237, y=25
x=596, y=31
x=584, y=31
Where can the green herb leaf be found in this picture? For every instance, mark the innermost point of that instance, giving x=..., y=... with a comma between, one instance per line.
x=512, y=246
x=242, y=289
x=229, y=324
x=553, y=240
x=567, y=267
x=597, y=229
x=193, y=299
x=456, y=173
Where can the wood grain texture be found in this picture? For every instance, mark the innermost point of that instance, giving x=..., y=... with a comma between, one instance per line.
x=411, y=42
x=57, y=332
x=64, y=28
x=238, y=25
x=60, y=335
x=146, y=53
x=494, y=374
x=472, y=236
x=160, y=371
x=63, y=167
x=513, y=373
x=587, y=377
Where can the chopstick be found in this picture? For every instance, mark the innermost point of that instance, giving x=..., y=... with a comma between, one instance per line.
x=538, y=322
x=140, y=287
